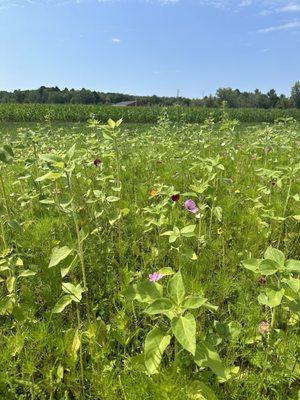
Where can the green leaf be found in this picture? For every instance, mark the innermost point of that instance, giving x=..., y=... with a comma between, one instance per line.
x=155, y=344
x=293, y=283
x=252, y=264
x=274, y=254
x=51, y=176
x=199, y=391
x=166, y=271
x=159, y=306
x=271, y=298
x=27, y=272
x=74, y=291
x=184, y=329
x=293, y=265
x=206, y=356
x=59, y=254
x=111, y=123
x=268, y=267
x=144, y=292
x=8, y=150
x=176, y=288
x=62, y=304
x=193, y=302
x=188, y=231
x=15, y=225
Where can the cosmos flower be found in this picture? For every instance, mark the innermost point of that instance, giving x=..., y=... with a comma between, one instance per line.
x=175, y=197
x=97, y=161
x=264, y=327
x=190, y=205
x=156, y=276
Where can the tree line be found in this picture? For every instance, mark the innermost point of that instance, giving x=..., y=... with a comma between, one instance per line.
x=234, y=98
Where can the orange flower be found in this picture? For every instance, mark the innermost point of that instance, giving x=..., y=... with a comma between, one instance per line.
x=153, y=192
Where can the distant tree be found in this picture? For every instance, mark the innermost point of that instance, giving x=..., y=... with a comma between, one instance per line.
x=273, y=98
x=295, y=95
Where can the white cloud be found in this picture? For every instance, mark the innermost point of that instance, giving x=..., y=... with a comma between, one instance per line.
x=292, y=7
x=283, y=27
x=116, y=40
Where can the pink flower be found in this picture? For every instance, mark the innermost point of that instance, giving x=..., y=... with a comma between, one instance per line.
x=156, y=276
x=190, y=205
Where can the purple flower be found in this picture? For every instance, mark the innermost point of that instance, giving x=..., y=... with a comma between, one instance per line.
x=190, y=205
x=156, y=276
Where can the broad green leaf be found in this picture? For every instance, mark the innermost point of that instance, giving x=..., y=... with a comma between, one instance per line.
x=188, y=230
x=176, y=288
x=74, y=291
x=155, y=344
x=207, y=356
x=144, y=292
x=62, y=304
x=166, y=271
x=184, y=329
x=59, y=254
x=268, y=267
x=111, y=123
x=193, y=302
x=74, y=345
x=293, y=266
x=52, y=158
x=274, y=254
x=159, y=306
x=296, y=217
x=200, y=391
x=271, y=298
x=252, y=264
x=70, y=152
x=10, y=283
x=51, y=176
x=27, y=272
x=293, y=283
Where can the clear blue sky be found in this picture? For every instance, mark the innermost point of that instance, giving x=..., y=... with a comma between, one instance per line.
x=150, y=46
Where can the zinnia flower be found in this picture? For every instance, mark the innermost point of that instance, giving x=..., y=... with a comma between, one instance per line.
x=190, y=205
x=153, y=193
x=97, y=161
x=175, y=197
x=156, y=276
x=264, y=327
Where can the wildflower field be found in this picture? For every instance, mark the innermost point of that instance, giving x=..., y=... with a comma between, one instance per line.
x=151, y=262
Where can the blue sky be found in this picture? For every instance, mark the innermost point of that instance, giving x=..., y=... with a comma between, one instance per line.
x=150, y=46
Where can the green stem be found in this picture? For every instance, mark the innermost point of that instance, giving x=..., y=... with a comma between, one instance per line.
x=284, y=210
x=4, y=196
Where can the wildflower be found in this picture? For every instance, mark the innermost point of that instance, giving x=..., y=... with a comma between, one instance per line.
x=220, y=231
x=264, y=327
x=97, y=161
x=175, y=197
x=50, y=149
x=153, y=193
x=273, y=182
x=262, y=280
x=156, y=276
x=190, y=205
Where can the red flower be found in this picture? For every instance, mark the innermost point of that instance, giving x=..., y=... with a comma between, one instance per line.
x=97, y=161
x=175, y=197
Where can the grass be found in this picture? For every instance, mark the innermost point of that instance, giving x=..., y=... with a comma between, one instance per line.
x=245, y=182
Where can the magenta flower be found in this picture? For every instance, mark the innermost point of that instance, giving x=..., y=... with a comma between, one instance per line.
x=156, y=276
x=97, y=161
x=190, y=205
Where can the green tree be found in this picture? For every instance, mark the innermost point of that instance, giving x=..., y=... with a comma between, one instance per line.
x=295, y=95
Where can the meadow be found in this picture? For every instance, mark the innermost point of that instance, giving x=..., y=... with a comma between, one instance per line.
x=155, y=261
x=144, y=114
